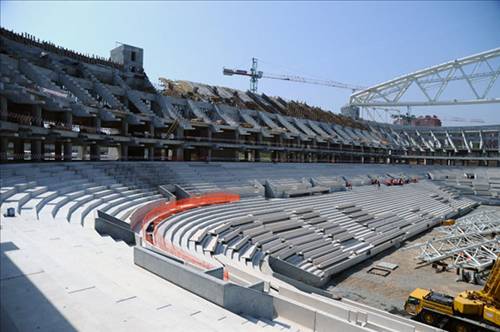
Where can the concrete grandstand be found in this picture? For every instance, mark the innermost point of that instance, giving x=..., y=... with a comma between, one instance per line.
x=242, y=205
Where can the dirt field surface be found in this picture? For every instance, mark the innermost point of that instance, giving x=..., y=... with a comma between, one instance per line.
x=389, y=293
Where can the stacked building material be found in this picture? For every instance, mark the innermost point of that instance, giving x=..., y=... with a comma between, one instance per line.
x=470, y=243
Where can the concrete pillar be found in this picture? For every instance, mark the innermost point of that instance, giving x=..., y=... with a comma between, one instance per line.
x=37, y=115
x=68, y=151
x=179, y=151
x=58, y=151
x=68, y=120
x=283, y=157
x=97, y=124
x=82, y=151
x=124, y=152
x=4, y=113
x=19, y=150
x=4, y=146
x=124, y=127
x=209, y=154
x=151, y=153
x=151, y=129
x=298, y=142
x=95, y=152
x=236, y=140
x=36, y=150
x=257, y=155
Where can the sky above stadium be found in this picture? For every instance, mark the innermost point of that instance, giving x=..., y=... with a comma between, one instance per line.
x=361, y=43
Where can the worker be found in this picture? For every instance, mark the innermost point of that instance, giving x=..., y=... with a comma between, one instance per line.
x=378, y=184
x=349, y=185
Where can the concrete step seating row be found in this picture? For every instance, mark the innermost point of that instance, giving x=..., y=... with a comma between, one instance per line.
x=285, y=188
x=70, y=192
x=103, y=297
x=203, y=178
x=246, y=179
x=471, y=181
x=199, y=178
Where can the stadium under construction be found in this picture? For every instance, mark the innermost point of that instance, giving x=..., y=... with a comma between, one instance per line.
x=129, y=206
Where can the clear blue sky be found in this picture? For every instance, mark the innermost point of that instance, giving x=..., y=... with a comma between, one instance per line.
x=358, y=42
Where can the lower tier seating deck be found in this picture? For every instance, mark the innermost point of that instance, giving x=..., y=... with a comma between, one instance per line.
x=268, y=235
x=480, y=184
x=71, y=192
x=320, y=235
x=61, y=277
x=74, y=191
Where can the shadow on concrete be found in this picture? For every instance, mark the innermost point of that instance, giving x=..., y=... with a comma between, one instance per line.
x=23, y=307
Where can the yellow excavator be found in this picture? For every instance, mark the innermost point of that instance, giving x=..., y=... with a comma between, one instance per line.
x=469, y=311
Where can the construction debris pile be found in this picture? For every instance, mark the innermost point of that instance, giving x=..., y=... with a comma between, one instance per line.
x=253, y=101
x=470, y=243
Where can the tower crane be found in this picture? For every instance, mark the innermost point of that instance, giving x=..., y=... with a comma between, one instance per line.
x=255, y=75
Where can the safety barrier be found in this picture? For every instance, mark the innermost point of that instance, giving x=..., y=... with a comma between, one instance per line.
x=161, y=212
x=166, y=210
x=138, y=215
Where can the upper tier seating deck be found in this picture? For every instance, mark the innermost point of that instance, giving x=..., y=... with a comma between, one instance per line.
x=66, y=103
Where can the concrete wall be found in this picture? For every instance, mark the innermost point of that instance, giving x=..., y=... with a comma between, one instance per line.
x=287, y=269
x=381, y=314
x=220, y=292
x=322, y=314
x=306, y=311
x=116, y=228
x=310, y=319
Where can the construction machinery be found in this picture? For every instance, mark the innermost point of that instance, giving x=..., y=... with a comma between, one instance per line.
x=255, y=75
x=468, y=311
x=448, y=222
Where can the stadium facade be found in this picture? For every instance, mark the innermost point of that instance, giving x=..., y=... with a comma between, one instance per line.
x=57, y=104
